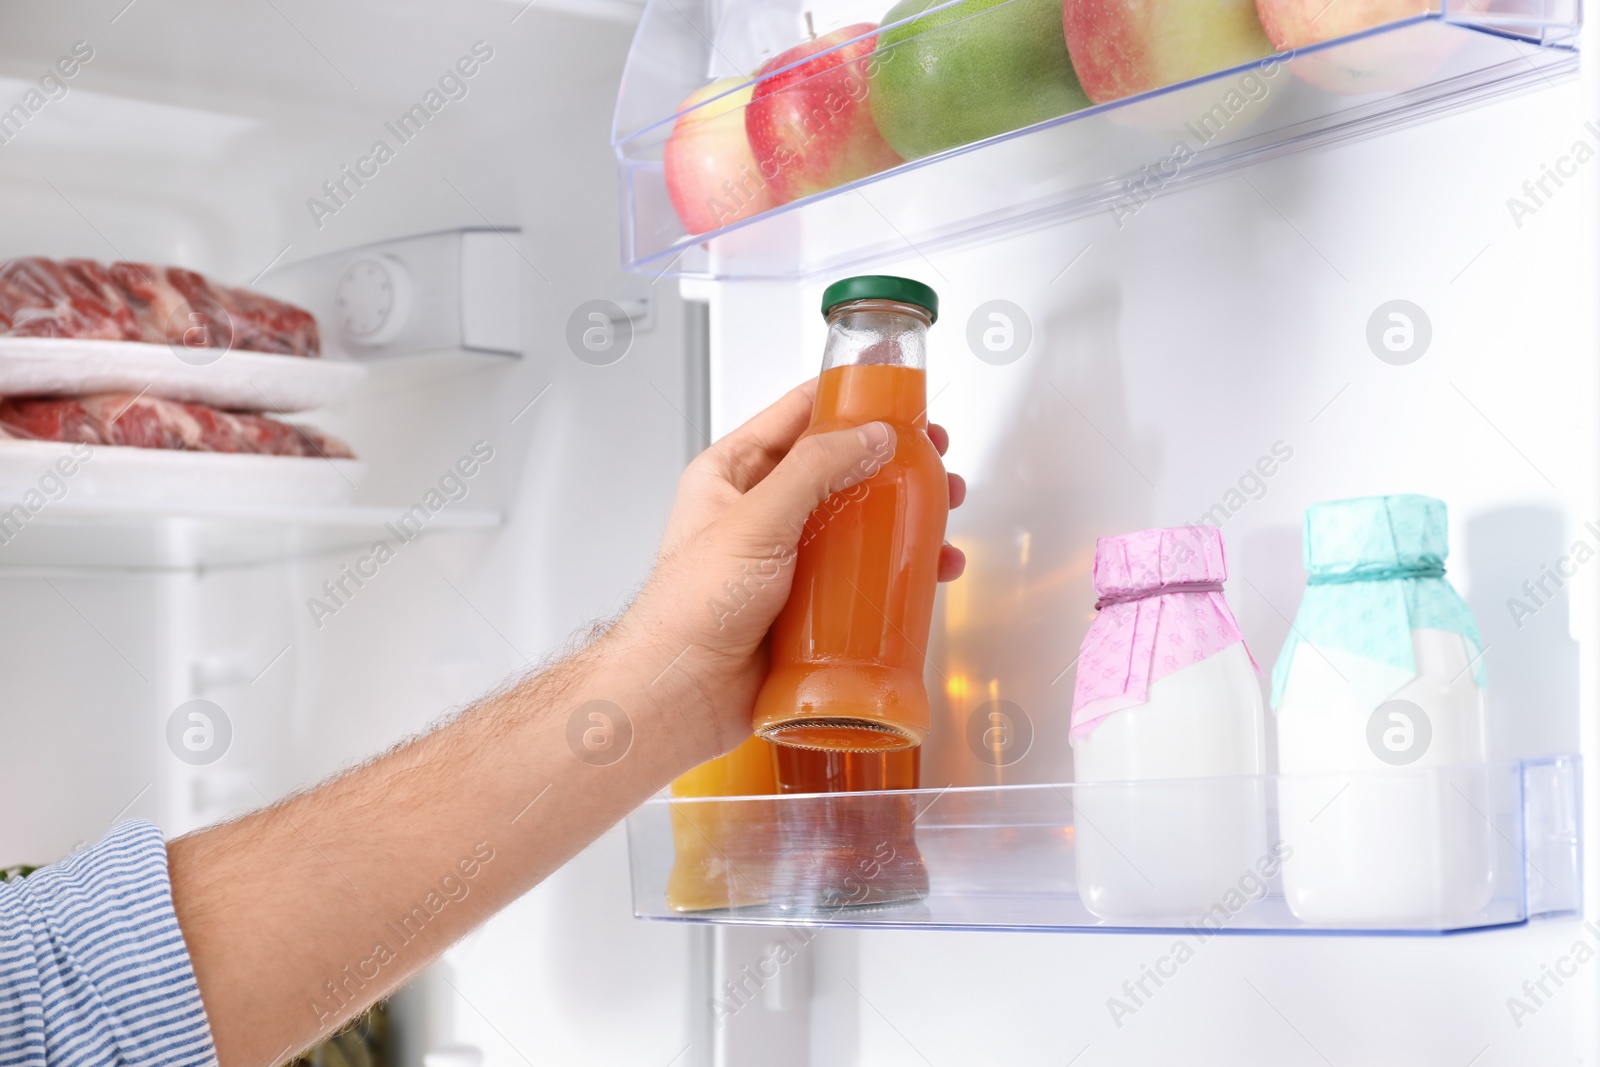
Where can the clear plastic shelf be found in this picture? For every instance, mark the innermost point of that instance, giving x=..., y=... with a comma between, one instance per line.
x=1109, y=158
x=1406, y=851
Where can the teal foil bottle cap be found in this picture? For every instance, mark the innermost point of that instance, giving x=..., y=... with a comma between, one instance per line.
x=1375, y=572
x=1376, y=538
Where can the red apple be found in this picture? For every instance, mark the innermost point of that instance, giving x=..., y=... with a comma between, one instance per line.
x=811, y=126
x=1298, y=23
x=1381, y=62
x=1123, y=47
x=712, y=178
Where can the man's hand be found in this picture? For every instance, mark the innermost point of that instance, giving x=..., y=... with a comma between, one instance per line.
x=298, y=917
x=727, y=558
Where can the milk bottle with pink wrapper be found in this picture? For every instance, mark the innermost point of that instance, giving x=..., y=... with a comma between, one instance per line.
x=1167, y=737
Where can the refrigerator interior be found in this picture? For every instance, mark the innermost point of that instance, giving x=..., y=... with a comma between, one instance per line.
x=196, y=135
x=1167, y=356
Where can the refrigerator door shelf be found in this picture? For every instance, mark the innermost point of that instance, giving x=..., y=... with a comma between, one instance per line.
x=1461, y=848
x=1105, y=161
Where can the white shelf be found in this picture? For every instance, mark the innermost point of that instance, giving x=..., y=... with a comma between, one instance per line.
x=236, y=380
x=120, y=535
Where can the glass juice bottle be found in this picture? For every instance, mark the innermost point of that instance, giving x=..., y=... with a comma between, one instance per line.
x=848, y=843
x=723, y=851
x=848, y=647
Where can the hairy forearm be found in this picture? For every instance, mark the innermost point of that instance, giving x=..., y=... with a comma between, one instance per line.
x=299, y=916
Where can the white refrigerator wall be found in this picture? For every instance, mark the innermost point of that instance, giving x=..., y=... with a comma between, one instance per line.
x=1167, y=357
x=197, y=134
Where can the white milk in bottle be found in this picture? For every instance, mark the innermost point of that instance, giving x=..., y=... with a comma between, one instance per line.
x=1382, y=725
x=1169, y=813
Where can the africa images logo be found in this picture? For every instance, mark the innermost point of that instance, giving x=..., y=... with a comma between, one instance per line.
x=1399, y=732
x=199, y=732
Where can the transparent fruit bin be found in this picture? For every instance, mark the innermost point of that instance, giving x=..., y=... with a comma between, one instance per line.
x=749, y=149
x=1407, y=851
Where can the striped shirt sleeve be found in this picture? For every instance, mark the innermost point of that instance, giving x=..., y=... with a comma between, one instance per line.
x=93, y=968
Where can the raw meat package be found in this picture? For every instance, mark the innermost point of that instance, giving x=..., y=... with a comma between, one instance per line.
x=146, y=422
x=84, y=299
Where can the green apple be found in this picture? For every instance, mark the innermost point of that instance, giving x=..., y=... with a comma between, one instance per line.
x=970, y=71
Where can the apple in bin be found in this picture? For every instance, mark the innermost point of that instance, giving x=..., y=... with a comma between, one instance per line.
x=712, y=177
x=810, y=126
x=969, y=71
x=1124, y=47
x=1384, y=62
x=1297, y=23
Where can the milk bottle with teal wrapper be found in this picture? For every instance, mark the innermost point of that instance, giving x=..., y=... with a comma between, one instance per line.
x=1167, y=733
x=1382, y=725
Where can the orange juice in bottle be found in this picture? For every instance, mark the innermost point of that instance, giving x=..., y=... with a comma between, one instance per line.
x=848, y=648
x=723, y=851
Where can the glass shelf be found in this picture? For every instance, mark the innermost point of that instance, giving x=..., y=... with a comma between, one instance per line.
x=1404, y=851
x=1108, y=158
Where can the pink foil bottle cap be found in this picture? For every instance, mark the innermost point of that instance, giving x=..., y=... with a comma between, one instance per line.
x=1161, y=609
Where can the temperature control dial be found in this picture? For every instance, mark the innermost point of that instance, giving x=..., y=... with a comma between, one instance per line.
x=373, y=300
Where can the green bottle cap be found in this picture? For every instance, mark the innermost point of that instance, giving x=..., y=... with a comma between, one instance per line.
x=881, y=287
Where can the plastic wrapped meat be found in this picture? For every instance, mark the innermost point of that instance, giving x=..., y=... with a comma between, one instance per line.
x=81, y=298
x=146, y=422
x=61, y=420
x=262, y=324
x=72, y=298
x=166, y=312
